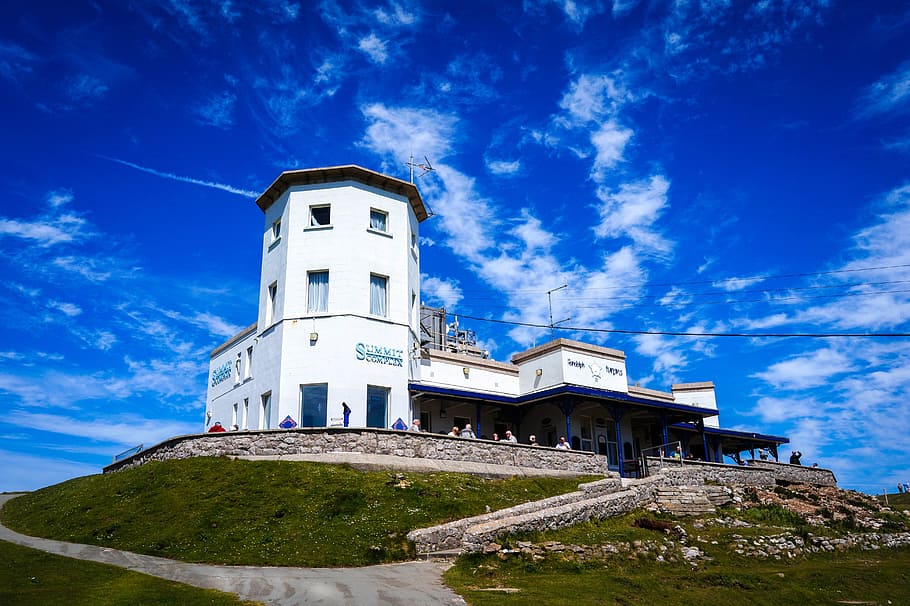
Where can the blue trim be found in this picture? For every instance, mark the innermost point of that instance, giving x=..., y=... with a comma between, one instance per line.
x=560, y=390
x=730, y=433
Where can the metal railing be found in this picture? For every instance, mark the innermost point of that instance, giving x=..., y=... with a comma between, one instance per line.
x=128, y=452
x=661, y=452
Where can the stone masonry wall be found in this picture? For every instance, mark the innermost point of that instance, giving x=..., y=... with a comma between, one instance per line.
x=699, y=472
x=365, y=441
x=797, y=474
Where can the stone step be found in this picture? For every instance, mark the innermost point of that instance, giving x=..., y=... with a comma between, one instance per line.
x=448, y=555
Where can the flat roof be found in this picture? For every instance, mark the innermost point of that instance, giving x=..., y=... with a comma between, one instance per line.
x=336, y=174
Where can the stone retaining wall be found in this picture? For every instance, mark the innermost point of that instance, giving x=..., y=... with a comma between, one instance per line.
x=449, y=536
x=798, y=474
x=365, y=441
x=699, y=472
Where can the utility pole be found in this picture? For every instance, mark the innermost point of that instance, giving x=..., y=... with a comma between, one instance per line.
x=550, y=304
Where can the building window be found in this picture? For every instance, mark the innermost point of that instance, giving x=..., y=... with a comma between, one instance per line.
x=414, y=242
x=234, y=415
x=276, y=230
x=377, y=406
x=378, y=295
x=245, y=423
x=320, y=216
x=313, y=404
x=271, y=303
x=248, y=371
x=265, y=411
x=317, y=291
x=237, y=365
x=379, y=220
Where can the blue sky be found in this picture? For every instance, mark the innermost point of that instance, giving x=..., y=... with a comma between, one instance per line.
x=691, y=166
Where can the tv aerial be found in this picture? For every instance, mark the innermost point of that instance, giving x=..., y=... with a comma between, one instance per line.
x=424, y=166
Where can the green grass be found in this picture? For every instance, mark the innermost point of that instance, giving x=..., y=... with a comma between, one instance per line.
x=897, y=501
x=860, y=577
x=272, y=513
x=856, y=577
x=28, y=576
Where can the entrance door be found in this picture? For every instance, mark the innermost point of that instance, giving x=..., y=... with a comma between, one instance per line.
x=377, y=406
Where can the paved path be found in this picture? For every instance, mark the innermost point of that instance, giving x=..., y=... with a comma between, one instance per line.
x=389, y=584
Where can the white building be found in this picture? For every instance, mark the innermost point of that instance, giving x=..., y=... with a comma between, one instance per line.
x=340, y=328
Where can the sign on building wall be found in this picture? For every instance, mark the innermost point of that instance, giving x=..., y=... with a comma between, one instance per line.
x=593, y=372
x=378, y=354
x=221, y=374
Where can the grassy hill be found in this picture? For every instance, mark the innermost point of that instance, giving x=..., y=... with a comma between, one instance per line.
x=225, y=511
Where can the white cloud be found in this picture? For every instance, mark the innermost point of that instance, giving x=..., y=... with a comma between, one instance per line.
x=807, y=370
x=609, y=141
x=633, y=211
x=440, y=291
x=737, y=284
x=888, y=95
x=374, y=48
x=398, y=15
x=218, y=110
x=68, y=309
x=504, y=167
x=120, y=430
x=591, y=98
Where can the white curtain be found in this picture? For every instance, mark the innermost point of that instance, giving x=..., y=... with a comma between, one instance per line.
x=377, y=221
x=318, y=291
x=377, y=295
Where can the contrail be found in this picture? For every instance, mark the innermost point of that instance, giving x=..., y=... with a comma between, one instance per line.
x=228, y=188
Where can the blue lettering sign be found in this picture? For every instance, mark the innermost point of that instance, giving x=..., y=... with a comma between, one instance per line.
x=221, y=374
x=379, y=354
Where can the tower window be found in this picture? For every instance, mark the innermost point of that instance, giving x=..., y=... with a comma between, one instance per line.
x=378, y=295
x=270, y=305
x=379, y=220
x=317, y=291
x=320, y=216
x=276, y=230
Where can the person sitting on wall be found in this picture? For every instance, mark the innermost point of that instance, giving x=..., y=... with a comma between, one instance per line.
x=217, y=427
x=763, y=454
x=511, y=438
x=563, y=445
x=415, y=425
x=495, y=437
x=467, y=432
x=533, y=440
x=454, y=433
x=795, y=457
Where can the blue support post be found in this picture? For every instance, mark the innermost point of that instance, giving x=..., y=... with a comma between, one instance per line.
x=567, y=407
x=477, y=421
x=617, y=412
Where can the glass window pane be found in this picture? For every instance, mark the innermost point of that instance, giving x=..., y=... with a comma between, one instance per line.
x=378, y=295
x=320, y=215
x=377, y=402
x=313, y=399
x=377, y=220
x=318, y=291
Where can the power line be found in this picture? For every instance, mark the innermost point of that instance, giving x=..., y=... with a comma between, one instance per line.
x=762, y=335
x=737, y=301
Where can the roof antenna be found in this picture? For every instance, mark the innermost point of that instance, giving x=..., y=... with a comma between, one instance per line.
x=425, y=166
x=550, y=305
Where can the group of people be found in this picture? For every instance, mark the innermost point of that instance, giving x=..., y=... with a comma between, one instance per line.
x=902, y=488
x=468, y=432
